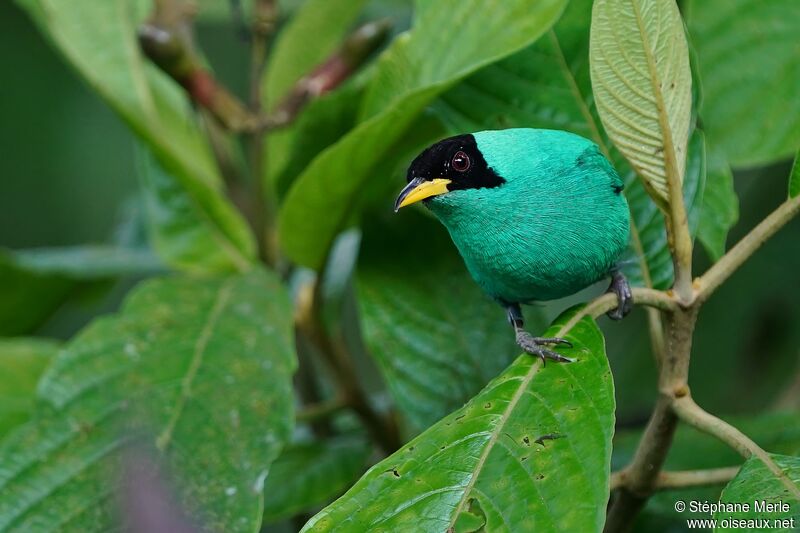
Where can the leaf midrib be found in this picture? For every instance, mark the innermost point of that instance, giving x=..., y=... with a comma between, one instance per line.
x=498, y=429
x=223, y=295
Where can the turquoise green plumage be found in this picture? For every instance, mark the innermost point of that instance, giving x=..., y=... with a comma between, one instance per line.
x=535, y=214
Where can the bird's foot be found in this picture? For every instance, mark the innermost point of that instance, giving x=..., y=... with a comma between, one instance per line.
x=537, y=346
x=620, y=287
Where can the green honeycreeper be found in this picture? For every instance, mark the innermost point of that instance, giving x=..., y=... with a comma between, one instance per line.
x=535, y=214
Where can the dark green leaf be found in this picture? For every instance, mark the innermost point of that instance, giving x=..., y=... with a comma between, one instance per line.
x=534, y=430
x=305, y=475
x=28, y=297
x=771, y=495
x=408, y=76
x=180, y=226
x=22, y=361
x=720, y=207
x=323, y=122
x=751, y=76
x=99, y=40
x=794, y=177
x=436, y=337
x=198, y=370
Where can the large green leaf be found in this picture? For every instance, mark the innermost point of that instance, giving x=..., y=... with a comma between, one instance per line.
x=436, y=337
x=751, y=76
x=547, y=85
x=773, y=496
x=449, y=40
x=99, y=40
x=642, y=84
x=22, y=361
x=199, y=370
x=310, y=474
x=529, y=452
x=720, y=207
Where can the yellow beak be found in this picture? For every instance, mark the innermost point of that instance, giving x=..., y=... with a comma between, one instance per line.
x=419, y=189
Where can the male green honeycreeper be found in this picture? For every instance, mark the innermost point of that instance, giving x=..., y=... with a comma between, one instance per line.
x=536, y=215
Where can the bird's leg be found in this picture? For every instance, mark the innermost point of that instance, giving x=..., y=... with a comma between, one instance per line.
x=620, y=287
x=536, y=346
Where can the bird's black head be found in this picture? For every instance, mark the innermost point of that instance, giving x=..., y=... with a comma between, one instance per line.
x=451, y=164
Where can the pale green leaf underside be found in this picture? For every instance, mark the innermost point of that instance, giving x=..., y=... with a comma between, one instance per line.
x=750, y=67
x=757, y=483
x=199, y=368
x=642, y=85
x=449, y=40
x=493, y=458
x=99, y=40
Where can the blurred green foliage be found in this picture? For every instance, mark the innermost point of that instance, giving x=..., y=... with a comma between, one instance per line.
x=137, y=192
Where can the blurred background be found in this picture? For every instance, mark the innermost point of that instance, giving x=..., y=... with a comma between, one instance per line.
x=69, y=177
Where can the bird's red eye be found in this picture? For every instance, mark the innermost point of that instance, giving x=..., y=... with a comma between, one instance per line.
x=460, y=162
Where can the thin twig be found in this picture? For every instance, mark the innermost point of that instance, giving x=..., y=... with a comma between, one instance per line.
x=309, y=321
x=680, y=479
x=642, y=473
x=265, y=15
x=314, y=412
x=694, y=415
x=751, y=242
x=641, y=296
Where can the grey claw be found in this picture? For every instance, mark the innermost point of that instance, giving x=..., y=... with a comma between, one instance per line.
x=620, y=287
x=536, y=346
x=552, y=340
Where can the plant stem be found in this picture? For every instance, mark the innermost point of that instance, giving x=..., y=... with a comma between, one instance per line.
x=641, y=475
x=264, y=20
x=310, y=322
x=314, y=412
x=682, y=478
x=751, y=242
